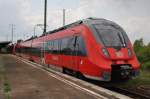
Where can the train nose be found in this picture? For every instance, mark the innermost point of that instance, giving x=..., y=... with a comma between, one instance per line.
x=123, y=53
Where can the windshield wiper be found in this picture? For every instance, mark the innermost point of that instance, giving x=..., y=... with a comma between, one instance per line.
x=121, y=39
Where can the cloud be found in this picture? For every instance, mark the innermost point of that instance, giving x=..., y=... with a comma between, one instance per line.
x=9, y=15
x=132, y=15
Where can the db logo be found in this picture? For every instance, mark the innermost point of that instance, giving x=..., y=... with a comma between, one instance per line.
x=119, y=54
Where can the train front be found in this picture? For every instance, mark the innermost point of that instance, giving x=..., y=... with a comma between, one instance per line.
x=116, y=50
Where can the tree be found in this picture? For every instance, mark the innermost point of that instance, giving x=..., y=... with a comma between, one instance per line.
x=138, y=48
x=148, y=44
x=143, y=53
x=138, y=44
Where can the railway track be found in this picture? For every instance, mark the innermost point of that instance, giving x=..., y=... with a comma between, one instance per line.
x=129, y=93
x=112, y=87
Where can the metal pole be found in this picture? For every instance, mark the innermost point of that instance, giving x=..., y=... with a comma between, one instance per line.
x=45, y=16
x=34, y=30
x=7, y=37
x=64, y=17
x=12, y=32
x=24, y=36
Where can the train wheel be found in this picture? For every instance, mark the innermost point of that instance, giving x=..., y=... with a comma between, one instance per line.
x=79, y=75
x=64, y=70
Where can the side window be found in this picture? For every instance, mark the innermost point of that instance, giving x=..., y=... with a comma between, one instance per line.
x=80, y=46
x=70, y=45
x=64, y=45
x=55, y=47
x=59, y=46
x=50, y=46
x=38, y=50
x=73, y=46
x=47, y=46
x=67, y=45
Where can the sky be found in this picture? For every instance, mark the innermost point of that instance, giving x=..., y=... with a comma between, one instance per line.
x=132, y=15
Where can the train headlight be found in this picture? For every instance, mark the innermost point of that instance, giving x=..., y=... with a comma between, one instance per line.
x=106, y=53
x=129, y=52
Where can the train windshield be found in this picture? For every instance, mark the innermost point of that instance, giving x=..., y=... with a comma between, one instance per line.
x=110, y=35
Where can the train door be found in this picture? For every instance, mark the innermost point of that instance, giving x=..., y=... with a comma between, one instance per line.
x=79, y=52
x=70, y=52
x=75, y=53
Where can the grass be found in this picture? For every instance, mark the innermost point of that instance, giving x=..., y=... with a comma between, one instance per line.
x=7, y=89
x=6, y=84
x=142, y=79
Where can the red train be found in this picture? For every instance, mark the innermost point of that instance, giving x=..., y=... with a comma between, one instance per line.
x=96, y=48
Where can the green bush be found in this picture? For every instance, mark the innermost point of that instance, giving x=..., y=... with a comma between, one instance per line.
x=7, y=87
x=146, y=65
x=143, y=53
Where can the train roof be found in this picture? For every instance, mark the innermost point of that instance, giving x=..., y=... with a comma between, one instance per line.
x=88, y=21
x=85, y=21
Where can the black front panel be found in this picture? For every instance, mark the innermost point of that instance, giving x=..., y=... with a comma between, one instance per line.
x=122, y=71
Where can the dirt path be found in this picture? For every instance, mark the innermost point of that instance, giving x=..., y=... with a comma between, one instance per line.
x=1, y=79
